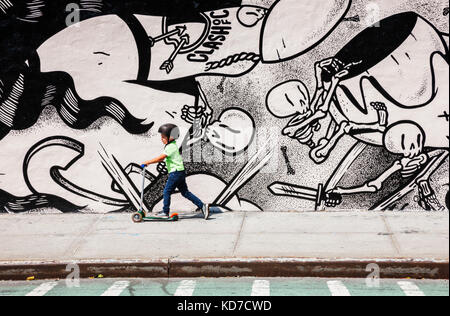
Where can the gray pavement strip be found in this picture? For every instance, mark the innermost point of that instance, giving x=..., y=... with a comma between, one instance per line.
x=230, y=267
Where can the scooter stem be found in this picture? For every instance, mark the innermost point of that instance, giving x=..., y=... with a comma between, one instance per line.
x=143, y=187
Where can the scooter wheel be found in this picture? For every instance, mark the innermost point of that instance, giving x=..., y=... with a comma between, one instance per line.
x=137, y=217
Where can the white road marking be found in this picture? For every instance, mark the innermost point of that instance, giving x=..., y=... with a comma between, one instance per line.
x=410, y=289
x=337, y=288
x=261, y=288
x=117, y=288
x=186, y=288
x=43, y=289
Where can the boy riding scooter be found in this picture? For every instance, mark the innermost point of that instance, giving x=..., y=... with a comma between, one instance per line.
x=177, y=175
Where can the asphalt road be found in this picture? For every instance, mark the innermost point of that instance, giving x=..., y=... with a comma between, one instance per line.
x=245, y=287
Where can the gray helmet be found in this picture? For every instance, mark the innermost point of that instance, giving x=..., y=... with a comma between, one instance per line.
x=170, y=131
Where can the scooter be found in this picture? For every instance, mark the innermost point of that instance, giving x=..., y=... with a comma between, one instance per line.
x=140, y=215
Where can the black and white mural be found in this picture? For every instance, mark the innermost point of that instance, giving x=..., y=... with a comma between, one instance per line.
x=282, y=104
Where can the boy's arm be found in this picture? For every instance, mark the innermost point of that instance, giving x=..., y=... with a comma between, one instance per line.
x=156, y=160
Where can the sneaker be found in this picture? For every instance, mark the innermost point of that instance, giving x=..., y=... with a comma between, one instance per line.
x=162, y=214
x=206, y=211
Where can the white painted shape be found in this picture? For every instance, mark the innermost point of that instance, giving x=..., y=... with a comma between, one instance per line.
x=337, y=288
x=117, y=288
x=410, y=288
x=261, y=288
x=43, y=289
x=186, y=288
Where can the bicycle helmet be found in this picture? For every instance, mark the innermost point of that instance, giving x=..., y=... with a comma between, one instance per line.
x=171, y=131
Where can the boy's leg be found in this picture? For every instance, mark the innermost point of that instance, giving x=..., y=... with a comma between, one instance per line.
x=168, y=191
x=182, y=186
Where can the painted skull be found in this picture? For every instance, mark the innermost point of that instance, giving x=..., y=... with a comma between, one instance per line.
x=288, y=99
x=232, y=132
x=406, y=139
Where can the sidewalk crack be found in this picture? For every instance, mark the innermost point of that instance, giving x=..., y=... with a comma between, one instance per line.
x=394, y=240
x=81, y=239
x=239, y=234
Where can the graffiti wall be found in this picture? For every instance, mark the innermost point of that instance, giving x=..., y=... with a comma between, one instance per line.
x=282, y=104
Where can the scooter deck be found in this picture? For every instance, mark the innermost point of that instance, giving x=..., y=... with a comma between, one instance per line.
x=161, y=219
x=139, y=218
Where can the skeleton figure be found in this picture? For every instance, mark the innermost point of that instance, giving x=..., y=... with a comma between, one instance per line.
x=378, y=90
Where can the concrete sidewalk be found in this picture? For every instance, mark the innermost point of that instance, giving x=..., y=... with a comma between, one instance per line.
x=229, y=244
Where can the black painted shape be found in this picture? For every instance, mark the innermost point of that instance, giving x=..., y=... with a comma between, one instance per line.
x=30, y=106
x=447, y=200
x=375, y=43
x=25, y=37
x=186, y=85
x=143, y=45
x=12, y=204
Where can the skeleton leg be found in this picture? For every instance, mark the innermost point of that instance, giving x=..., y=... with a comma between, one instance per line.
x=437, y=158
x=326, y=145
x=322, y=110
x=427, y=197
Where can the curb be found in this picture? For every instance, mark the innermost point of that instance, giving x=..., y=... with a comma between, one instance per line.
x=215, y=268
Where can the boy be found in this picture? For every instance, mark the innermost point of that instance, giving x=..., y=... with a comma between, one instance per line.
x=177, y=175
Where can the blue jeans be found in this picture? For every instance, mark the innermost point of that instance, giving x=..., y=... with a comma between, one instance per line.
x=177, y=180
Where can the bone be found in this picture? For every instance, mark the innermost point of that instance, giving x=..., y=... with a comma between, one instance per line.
x=355, y=18
x=291, y=171
x=382, y=112
x=221, y=84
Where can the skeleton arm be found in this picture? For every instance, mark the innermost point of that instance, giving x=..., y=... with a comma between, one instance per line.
x=321, y=112
x=199, y=115
x=318, y=95
x=371, y=186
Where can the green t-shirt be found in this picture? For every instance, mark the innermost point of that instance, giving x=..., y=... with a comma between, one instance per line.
x=174, y=161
